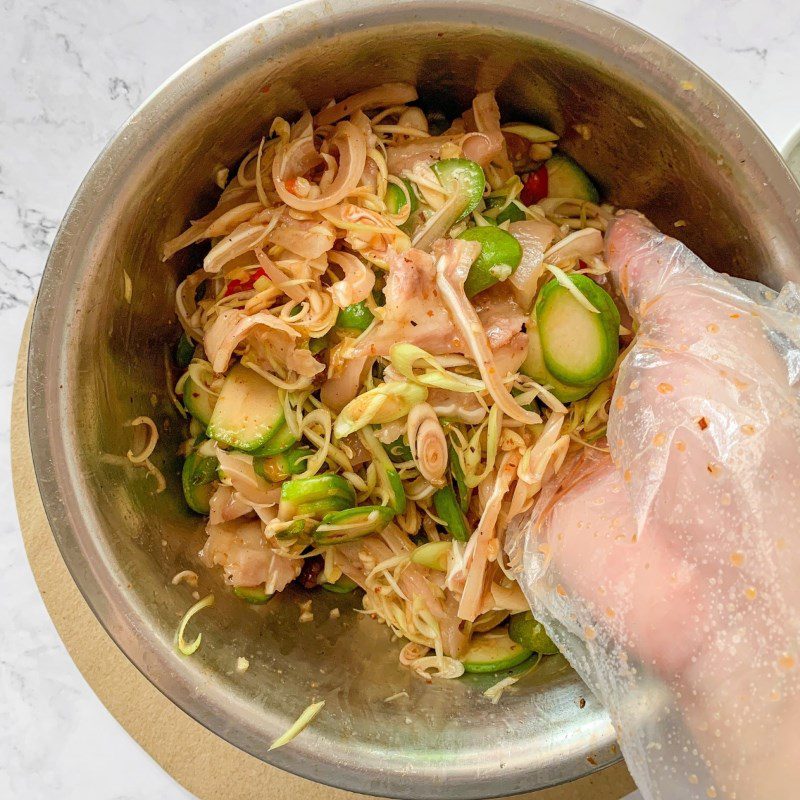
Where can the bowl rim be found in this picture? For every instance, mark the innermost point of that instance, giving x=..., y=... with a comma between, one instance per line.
x=48, y=446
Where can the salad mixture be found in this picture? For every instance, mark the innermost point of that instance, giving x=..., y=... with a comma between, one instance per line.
x=397, y=336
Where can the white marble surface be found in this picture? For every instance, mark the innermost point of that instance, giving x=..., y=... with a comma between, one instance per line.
x=70, y=72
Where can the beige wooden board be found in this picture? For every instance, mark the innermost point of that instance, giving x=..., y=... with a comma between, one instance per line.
x=199, y=760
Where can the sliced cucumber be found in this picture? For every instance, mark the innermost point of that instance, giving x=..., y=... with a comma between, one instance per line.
x=512, y=212
x=317, y=495
x=526, y=631
x=197, y=478
x=298, y=528
x=279, y=442
x=499, y=257
x=351, y=524
x=534, y=367
x=356, y=317
x=395, y=198
x=449, y=510
x=432, y=555
x=248, y=411
x=343, y=586
x=462, y=176
x=255, y=595
x=579, y=346
x=184, y=351
x=565, y=178
x=276, y=469
x=494, y=651
x=199, y=403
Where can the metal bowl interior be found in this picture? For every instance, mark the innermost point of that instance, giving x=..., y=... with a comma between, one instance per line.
x=664, y=139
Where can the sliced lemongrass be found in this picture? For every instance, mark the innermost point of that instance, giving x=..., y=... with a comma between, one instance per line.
x=299, y=725
x=180, y=642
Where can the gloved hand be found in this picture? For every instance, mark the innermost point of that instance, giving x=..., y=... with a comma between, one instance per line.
x=668, y=571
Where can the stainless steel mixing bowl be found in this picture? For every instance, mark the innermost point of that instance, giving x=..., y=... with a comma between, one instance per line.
x=663, y=138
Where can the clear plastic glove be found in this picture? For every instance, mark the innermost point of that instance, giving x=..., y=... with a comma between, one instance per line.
x=669, y=572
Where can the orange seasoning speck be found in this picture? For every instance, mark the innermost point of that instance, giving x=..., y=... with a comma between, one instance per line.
x=610, y=613
x=659, y=439
x=627, y=476
x=560, y=590
x=665, y=388
x=680, y=446
x=748, y=430
x=620, y=403
x=734, y=316
x=712, y=328
x=787, y=662
x=711, y=791
x=750, y=592
x=590, y=633
x=737, y=558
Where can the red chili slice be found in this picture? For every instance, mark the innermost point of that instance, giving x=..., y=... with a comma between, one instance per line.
x=243, y=286
x=535, y=187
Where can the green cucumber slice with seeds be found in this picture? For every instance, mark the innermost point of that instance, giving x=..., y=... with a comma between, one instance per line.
x=297, y=528
x=184, y=351
x=197, y=479
x=580, y=347
x=355, y=317
x=279, y=442
x=276, y=469
x=525, y=630
x=352, y=524
x=499, y=257
x=493, y=652
x=248, y=411
x=433, y=555
x=315, y=496
x=534, y=367
x=464, y=177
x=343, y=586
x=395, y=198
x=255, y=595
x=512, y=212
x=199, y=402
x=565, y=178
x=449, y=511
